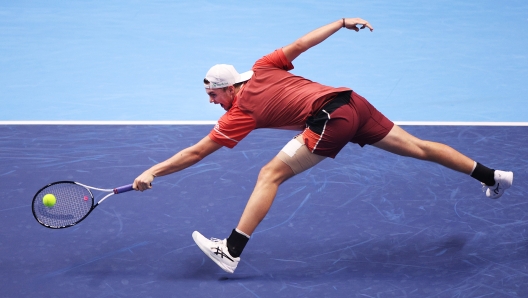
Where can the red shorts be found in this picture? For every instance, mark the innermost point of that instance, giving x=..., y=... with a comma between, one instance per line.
x=347, y=118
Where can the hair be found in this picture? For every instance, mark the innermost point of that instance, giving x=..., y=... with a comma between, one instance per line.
x=239, y=84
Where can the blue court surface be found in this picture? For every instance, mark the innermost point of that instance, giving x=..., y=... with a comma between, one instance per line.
x=367, y=224
x=98, y=91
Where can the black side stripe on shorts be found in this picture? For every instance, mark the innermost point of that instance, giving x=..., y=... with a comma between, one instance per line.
x=317, y=122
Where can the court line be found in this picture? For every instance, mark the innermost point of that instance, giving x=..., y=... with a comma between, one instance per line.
x=460, y=123
x=60, y=122
x=417, y=123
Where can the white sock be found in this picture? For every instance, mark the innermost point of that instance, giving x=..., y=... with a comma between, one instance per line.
x=242, y=233
x=474, y=166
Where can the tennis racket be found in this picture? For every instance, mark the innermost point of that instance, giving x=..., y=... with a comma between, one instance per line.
x=74, y=202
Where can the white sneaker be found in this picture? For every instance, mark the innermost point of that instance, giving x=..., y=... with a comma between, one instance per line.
x=503, y=181
x=217, y=251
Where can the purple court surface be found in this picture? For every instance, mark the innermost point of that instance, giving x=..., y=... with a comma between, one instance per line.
x=367, y=224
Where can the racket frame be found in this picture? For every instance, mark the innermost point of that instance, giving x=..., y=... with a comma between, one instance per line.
x=111, y=192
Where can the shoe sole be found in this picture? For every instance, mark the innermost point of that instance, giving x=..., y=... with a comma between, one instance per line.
x=207, y=251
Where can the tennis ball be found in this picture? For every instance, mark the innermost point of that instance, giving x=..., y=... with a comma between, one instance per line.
x=49, y=200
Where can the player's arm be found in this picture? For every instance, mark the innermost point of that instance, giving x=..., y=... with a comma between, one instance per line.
x=181, y=160
x=315, y=37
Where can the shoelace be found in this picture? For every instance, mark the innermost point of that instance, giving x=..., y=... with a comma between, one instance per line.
x=216, y=240
x=220, y=250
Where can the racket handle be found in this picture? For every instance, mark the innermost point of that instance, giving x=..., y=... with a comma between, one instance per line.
x=123, y=188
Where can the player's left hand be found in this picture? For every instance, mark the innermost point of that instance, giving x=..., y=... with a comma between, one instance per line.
x=352, y=24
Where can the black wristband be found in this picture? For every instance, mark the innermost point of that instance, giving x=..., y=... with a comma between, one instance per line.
x=344, y=23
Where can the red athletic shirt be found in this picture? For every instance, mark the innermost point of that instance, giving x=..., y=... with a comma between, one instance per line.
x=272, y=98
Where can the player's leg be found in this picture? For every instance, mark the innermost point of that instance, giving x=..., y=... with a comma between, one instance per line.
x=270, y=177
x=226, y=253
x=291, y=160
x=379, y=131
x=400, y=142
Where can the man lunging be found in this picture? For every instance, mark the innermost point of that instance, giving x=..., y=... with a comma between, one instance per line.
x=269, y=96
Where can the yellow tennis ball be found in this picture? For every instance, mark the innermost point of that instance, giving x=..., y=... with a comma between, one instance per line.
x=49, y=200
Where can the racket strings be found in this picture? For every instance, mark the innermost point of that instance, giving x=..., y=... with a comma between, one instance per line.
x=73, y=203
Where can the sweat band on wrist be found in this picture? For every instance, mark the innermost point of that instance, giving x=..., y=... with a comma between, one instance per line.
x=344, y=23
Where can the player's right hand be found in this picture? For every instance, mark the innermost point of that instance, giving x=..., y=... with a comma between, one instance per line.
x=143, y=181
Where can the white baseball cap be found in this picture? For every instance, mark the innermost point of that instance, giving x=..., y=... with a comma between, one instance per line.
x=224, y=75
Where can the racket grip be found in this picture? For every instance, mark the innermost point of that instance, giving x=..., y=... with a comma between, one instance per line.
x=123, y=188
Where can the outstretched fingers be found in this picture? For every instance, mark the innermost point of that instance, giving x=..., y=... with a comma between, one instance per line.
x=352, y=24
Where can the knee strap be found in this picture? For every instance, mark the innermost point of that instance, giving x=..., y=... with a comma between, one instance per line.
x=297, y=156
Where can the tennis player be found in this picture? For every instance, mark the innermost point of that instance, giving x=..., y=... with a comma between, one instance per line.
x=269, y=96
